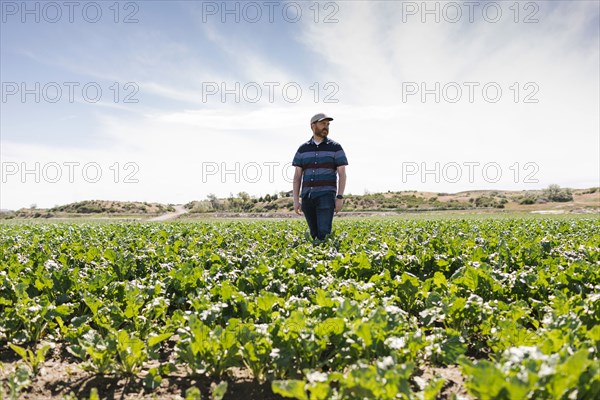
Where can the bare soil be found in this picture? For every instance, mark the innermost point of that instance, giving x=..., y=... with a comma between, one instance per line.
x=179, y=211
x=62, y=376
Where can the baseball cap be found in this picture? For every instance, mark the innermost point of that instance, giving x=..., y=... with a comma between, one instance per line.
x=320, y=117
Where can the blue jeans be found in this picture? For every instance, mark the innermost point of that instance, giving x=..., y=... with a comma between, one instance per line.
x=319, y=214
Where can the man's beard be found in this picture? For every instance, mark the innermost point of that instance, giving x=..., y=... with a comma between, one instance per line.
x=322, y=133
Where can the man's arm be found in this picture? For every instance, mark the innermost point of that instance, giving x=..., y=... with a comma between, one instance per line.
x=341, y=187
x=297, y=183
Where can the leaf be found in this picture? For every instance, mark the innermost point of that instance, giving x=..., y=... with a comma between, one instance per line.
x=166, y=369
x=219, y=391
x=364, y=332
x=594, y=333
x=5, y=302
x=441, y=262
x=40, y=355
x=408, y=288
x=153, y=380
x=290, y=388
x=484, y=380
x=361, y=261
x=39, y=285
x=193, y=393
x=323, y=299
x=439, y=280
x=512, y=334
x=94, y=394
x=23, y=353
x=452, y=347
x=226, y=290
x=567, y=374
x=433, y=388
x=469, y=279
x=320, y=391
x=92, y=302
x=110, y=255
x=266, y=301
x=154, y=340
x=331, y=326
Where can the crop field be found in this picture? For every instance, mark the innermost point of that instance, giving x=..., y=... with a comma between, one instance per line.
x=465, y=308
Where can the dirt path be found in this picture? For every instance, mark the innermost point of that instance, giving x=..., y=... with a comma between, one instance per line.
x=179, y=210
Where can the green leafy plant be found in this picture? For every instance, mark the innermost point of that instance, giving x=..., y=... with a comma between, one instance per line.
x=206, y=350
x=34, y=360
x=517, y=294
x=18, y=380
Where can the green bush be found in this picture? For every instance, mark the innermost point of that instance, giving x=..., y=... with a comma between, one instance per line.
x=556, y=194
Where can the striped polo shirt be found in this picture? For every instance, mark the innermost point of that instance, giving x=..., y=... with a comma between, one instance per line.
x=319, y=164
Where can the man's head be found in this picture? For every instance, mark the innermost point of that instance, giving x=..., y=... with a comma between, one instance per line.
x=319, y=124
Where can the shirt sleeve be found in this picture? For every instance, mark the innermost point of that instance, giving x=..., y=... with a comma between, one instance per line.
x=297, y=162
x=340, y=158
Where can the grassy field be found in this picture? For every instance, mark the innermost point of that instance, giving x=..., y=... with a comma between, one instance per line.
x=434, y=305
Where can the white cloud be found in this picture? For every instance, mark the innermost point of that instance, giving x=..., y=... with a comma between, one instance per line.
x=559, y=133
x=371, y=54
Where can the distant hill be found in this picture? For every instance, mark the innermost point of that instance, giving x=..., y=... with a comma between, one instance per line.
x=92, y=208
x=552, y=200
x=113, y=207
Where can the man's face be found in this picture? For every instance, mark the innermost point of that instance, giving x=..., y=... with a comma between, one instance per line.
x=321, y=129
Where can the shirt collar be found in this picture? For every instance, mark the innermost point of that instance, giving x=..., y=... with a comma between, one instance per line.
x=312, y=141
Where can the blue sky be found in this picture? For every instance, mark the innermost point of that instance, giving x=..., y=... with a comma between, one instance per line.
x=161, y=129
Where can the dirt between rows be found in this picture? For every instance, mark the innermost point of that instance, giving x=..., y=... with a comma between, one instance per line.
x=62, y=376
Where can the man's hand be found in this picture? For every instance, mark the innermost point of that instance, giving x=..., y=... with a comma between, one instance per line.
x=339, y=203
x=297, y=207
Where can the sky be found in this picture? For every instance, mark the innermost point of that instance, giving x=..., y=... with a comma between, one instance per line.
x=170, y=101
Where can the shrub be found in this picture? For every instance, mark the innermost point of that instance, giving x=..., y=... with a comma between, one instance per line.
x=555, y=193
x=563, y=197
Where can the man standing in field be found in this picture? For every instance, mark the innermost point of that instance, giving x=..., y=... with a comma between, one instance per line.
x=318, y=163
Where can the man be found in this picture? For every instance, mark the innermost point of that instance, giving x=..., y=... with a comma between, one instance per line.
x=318, y=163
